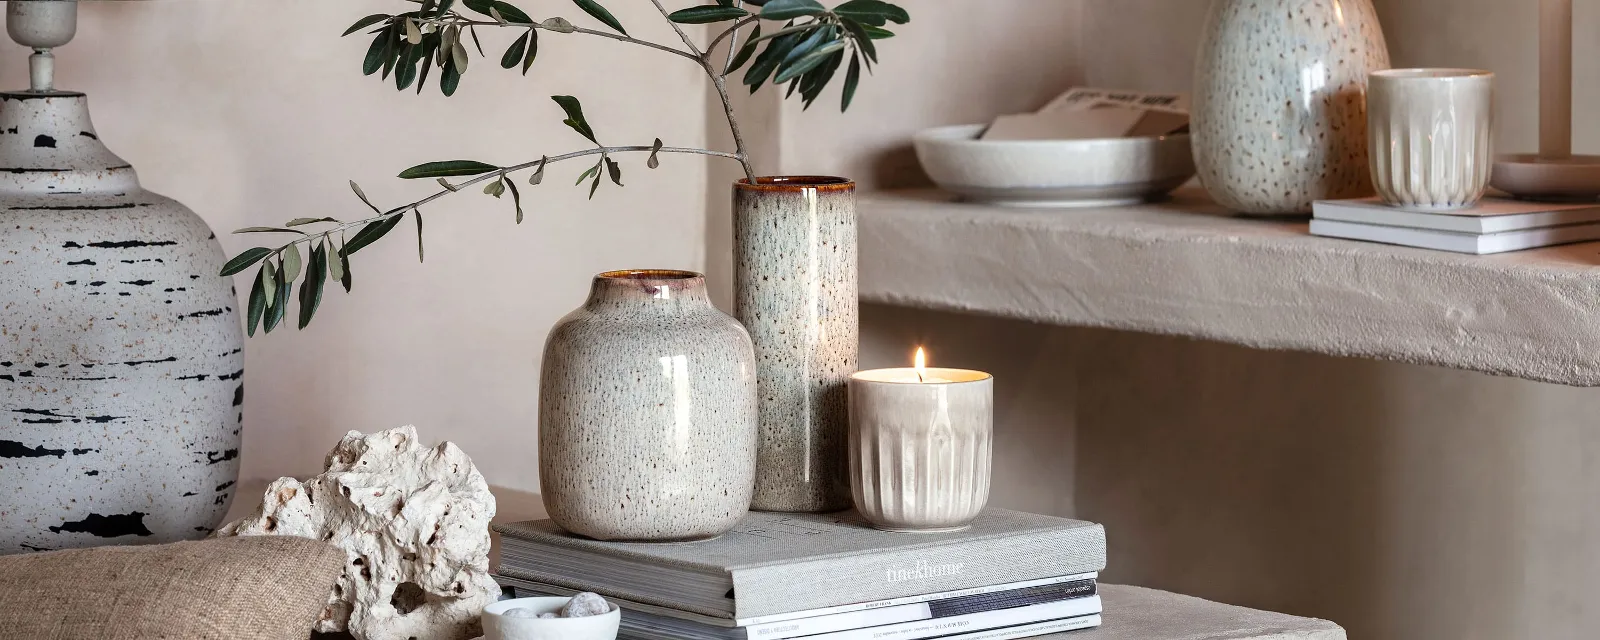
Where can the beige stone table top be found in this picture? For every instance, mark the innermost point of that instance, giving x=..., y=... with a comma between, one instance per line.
x=1186, y=267
x=1131, y=613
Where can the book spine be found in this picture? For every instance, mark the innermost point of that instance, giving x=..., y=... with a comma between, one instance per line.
x=840, y=580
x=1030, y=630
x=972, y=622
x=942, y=608
x=926, y=597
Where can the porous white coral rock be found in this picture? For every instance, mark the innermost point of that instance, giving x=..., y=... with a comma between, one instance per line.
x=415, y=524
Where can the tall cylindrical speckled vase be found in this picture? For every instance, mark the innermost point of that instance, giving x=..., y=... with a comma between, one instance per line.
x=120, y=349
x=647, y=412
x=795, y=290
x=1280, y=106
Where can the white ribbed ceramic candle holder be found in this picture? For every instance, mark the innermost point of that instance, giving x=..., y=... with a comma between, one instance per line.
x=1430, y=137
x=920, y=449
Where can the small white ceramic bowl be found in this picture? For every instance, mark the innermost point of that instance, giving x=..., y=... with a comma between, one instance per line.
x=1054, y=173
x=496, y=626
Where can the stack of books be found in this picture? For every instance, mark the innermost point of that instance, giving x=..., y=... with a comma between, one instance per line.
x=826, y=577
x=1494, y=225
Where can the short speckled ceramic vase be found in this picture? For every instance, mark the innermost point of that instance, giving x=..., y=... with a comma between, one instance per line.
x=795, y=290
x=647, y=412
x=120, y=347
x=1279, y=117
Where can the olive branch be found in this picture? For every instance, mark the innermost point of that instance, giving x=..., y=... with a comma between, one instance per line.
x=805, y=50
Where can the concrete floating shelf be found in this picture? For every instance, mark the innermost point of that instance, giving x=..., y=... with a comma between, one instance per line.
x=1136, y=613
x=1186, y=267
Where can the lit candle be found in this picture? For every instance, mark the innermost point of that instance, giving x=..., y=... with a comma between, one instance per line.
x=920, y=443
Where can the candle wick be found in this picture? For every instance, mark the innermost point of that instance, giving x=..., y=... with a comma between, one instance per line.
x=919, y=376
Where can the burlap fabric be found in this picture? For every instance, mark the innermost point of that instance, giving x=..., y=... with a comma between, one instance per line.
x=256, y=588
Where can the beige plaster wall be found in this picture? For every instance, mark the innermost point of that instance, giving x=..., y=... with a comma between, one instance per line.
x=255, y=112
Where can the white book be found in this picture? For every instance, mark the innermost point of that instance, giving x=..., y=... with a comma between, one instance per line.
x=936, y=627
x=1031, y=630
x=1458, y=242
x=917, y=599
x=680, y=625
x=1491, y=215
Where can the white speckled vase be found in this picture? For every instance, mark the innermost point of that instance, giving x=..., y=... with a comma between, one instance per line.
x=920, y=451
x=647, y=412
x=795, y=290
x=120, y=350
x=1279, y=117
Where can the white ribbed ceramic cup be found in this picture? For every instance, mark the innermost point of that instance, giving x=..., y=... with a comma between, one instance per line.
x=920, y=447
x=1429, y=136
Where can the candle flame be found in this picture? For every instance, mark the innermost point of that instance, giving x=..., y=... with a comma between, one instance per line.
x=921, y=361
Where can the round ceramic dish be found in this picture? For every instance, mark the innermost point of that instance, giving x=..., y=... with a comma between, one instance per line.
x=496, y=626
x=1054, y=173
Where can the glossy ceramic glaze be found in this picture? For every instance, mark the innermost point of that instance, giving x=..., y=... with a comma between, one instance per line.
x=795, y=290
x=920, y=452
x=1279, y=117
x=120, y=348
x=1053, y=173
x=1431, y=136
x=647, y=412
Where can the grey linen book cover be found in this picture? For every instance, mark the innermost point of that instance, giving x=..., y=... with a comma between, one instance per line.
x=784, y=562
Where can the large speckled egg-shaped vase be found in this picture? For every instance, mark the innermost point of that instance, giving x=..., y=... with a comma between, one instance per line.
x=1280, y=106
x=795, y=290
x=647, y=412
x=120, y=350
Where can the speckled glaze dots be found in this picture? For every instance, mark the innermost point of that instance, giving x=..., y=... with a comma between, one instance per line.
x=647, y=412
x=120, y=349
x=1279, y=117
x=795, y=290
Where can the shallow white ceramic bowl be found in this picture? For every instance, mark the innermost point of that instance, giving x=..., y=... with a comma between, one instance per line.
x=1053, y=173
x=498, y=627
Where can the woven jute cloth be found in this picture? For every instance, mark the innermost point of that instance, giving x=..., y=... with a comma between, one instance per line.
x=256, y=588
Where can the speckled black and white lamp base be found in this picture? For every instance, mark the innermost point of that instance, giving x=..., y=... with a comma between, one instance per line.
x=120, y=349
x=795, y=291
x=1280, y=103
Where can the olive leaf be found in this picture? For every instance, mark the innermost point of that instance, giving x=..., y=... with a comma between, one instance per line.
x=872, y=12
x=280, y=299
x=507, y=11
x=447, y=168
x=852, y=77
x=515, y=52
x=614, y=169
x=361, y=194
x=599, y=13
x=370, y=234
x=258, y=303
x=270, y=282
x=495, y=188
x=533, y=50
x=744, y=53
x=290, y=258
x=366, y=22
x=311, y=289
x=575, y=118
x=268, y=230
x=558, y=25
x=516, y=197
x=705, y=14
x=789, y=9
x=538, y=172
x=655, y=148
x=304, y=221
x=418, y=214
x=244, y=260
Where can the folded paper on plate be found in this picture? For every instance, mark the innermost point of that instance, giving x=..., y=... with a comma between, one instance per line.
x=1088, y=113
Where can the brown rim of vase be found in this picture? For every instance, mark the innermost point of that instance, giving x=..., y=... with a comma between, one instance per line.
x=675, y=279
x=797, y=183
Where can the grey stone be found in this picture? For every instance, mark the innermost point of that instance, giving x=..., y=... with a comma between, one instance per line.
x=525, y=612
x=584, y=605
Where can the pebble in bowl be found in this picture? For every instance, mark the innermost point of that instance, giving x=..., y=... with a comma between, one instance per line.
x=1054, y=173
x=585, y=616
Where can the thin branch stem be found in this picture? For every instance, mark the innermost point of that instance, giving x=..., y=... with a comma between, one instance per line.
x=465, y=22
x=496, y=175
x=733, y=32
x=722, y=91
